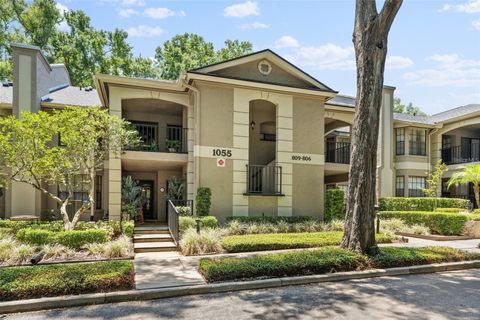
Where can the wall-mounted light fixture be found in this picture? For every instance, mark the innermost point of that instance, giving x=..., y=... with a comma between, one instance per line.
x=252, y=125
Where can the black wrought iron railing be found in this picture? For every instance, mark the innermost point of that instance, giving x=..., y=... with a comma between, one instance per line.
x=160, y=139
x=337, y=152
x=461, y=154
x=173, y=221
x=264, y=180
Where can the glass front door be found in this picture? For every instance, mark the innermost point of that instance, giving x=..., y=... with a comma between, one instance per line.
x=147, y=191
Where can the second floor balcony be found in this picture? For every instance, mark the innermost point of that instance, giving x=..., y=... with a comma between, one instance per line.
x=466, y=153
x=337, y=152
x=153, y=138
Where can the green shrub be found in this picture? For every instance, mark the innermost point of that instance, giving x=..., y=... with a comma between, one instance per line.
x=37, y=237
x=438, y=222
x=15, y=225
x=206, y=222
x=5, y=232
x=476, y=211
x=203, y=201
x=184, y=211
x=77, y=238
x=62, y=279
x=49, y=215
x=420, y=204
x=278, y=241
x=208, y=241
x=323, y=260
x=128, y=228
x=268, y=219
x=335, y=204
x=451, y=210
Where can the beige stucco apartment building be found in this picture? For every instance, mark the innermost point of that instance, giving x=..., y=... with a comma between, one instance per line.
x=266, y=137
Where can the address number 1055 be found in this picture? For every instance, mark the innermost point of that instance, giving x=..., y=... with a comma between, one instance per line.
x=222, y=153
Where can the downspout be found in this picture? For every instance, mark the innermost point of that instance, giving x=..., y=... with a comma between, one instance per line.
x=196, y=141
x=430, y=152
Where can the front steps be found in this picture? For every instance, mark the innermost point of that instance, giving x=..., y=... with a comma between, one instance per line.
x=153, y=238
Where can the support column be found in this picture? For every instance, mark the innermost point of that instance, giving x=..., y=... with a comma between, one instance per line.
x=114, y=165
x=190, y=116
x=386, y=143
x=284, y=153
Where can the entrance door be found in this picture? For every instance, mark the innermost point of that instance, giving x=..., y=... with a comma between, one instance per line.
x=147, y=191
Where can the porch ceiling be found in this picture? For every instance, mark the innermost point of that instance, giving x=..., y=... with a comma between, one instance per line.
x=152, y=106
x=152, y=161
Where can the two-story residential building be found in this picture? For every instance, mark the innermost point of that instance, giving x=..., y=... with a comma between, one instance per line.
x=263, y=135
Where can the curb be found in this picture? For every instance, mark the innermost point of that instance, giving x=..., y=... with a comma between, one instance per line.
x=150, y=294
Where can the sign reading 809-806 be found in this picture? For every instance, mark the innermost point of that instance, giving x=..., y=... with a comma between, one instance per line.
x=297, y=157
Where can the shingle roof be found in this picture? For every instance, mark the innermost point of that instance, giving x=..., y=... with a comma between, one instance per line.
x=411, y=118
x=6, y=95
x=343, y=100
x=439, y=117
x=74, y=96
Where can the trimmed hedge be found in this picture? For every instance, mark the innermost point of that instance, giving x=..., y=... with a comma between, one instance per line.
x=443, y=223
x=450, y=210
x=128, y=228
x=323, y=260
x=335, y=204
x=203, y=201
x=189, y=222
x=77, y=238
x=36, y=236
x=279, y=241
x=268, y=219
x=422, y=204
x=62, y=279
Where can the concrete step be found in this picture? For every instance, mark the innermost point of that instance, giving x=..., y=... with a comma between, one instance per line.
x=151, y=231
x=154, y=246
x=152, y=237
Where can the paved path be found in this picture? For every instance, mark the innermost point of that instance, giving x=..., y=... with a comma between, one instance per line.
x=467, y=245
x=449, y=295
x=163, y=269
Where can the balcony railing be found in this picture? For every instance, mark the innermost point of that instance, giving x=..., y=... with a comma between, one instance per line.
x=264, y=180
x=337, y=152
x=461, y=154
x=160, y=139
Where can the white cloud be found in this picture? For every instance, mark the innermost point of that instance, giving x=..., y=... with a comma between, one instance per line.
x=159, y=13
x=255, y=25
x=240, y=10
x=144, y=31
x=324, y=57
x=398, y=62
x=449, y=70
x=287, y=42
x=471, y=6
x=125, y=13
x=62, y=26
x=476, y=24
x=133, y=2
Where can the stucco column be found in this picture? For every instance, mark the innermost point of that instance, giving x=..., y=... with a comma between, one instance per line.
x=386, y=143
x=190, y=124
x=114, y=164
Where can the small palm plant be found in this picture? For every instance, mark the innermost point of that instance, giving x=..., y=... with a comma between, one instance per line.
x=471, y=174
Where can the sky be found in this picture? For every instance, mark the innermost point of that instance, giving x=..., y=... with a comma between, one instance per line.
x=433, y=47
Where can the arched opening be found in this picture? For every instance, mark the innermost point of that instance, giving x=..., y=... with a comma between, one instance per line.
x=263, y=174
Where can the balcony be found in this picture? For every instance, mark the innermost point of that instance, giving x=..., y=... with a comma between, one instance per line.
x=337, y=152
x=264, y=180
x=461, y=154
x=172, y=139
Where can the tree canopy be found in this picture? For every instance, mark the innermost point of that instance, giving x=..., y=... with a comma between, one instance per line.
x=29, y=153
x=87, y=51
x=399, y=107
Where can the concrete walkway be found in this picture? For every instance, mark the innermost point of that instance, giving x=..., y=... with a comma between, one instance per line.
x=467, y=245
x=162, y=270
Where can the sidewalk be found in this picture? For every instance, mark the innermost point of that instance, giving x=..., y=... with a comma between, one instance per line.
x=164, y=270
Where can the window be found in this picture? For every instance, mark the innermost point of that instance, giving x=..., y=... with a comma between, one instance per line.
x=400, y=186
x=418, y=143
x=446, y=142
x=416, y=186
x=98, y=192
x=400, y=139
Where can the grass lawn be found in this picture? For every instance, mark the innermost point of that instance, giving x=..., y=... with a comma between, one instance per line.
x=278, y=241
x=323, y=260
x=62, y=279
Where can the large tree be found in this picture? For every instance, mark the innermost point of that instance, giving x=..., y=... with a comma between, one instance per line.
x=399, y=107
x=187, y=51
x=87, y=136
x=370, y=42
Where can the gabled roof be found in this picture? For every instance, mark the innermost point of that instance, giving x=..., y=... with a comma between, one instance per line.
x=269, y=55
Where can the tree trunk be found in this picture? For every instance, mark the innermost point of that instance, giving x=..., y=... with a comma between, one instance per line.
x=476, y=190
x=370, y=42
x=63, y=212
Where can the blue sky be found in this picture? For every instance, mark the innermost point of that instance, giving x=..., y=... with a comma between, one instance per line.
x=434, y=46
